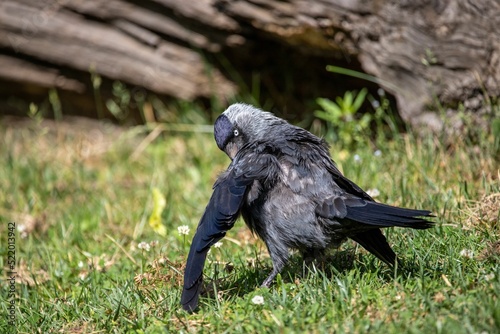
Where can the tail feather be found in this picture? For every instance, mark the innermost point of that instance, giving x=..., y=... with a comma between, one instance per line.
x=383, y=215
x=376, y=243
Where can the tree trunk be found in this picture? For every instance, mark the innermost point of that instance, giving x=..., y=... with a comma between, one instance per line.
x=425, y=53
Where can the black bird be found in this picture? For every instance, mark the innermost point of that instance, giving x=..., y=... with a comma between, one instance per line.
x=284, y=183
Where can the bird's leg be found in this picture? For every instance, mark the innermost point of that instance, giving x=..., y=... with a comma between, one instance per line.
x=279, y=256
x=311, y=255
x=276, y=270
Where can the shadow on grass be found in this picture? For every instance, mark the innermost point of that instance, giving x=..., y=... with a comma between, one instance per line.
x=242, y=279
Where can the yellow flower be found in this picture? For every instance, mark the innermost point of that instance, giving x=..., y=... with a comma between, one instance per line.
x=159, y=204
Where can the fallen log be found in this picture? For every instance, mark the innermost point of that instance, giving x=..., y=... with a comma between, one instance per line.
x=430, y=55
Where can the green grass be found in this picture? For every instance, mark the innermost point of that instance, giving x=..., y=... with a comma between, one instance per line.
x=85, y=204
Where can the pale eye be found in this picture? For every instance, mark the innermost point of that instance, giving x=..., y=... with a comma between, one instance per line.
x=236, y=132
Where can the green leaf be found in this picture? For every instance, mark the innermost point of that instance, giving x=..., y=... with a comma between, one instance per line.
x=360, y=98
x=348, y=97
x=330, y=107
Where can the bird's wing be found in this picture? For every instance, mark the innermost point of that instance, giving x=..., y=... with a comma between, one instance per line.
x=343, y=182
x=376, y=243
x=368, y=217
x=346, y=184
x=302, y=144
x=345, y=206
x=219, y=217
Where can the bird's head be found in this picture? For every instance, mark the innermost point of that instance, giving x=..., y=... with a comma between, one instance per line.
x=241, y=124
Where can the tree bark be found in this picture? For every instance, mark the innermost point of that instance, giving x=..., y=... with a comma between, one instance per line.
x=429, y=55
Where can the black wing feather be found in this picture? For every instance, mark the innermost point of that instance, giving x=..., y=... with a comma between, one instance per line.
x=383, y=215
x=376, y=243
x=372, y=215
x=220, y=215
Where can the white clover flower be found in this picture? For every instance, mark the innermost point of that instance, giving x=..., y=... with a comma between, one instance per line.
x=82, y=275
x=258, y=300
x=489, y=277
x=144, y=245
x=218, y=244
x=373, y=192
x=357, y=158
x=467, y=253
x=154, y=243
x=377, y=153
x=22, y=229
x=183, y=230
x=80, y=264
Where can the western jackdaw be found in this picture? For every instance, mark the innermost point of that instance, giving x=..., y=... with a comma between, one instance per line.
x=283, y=182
